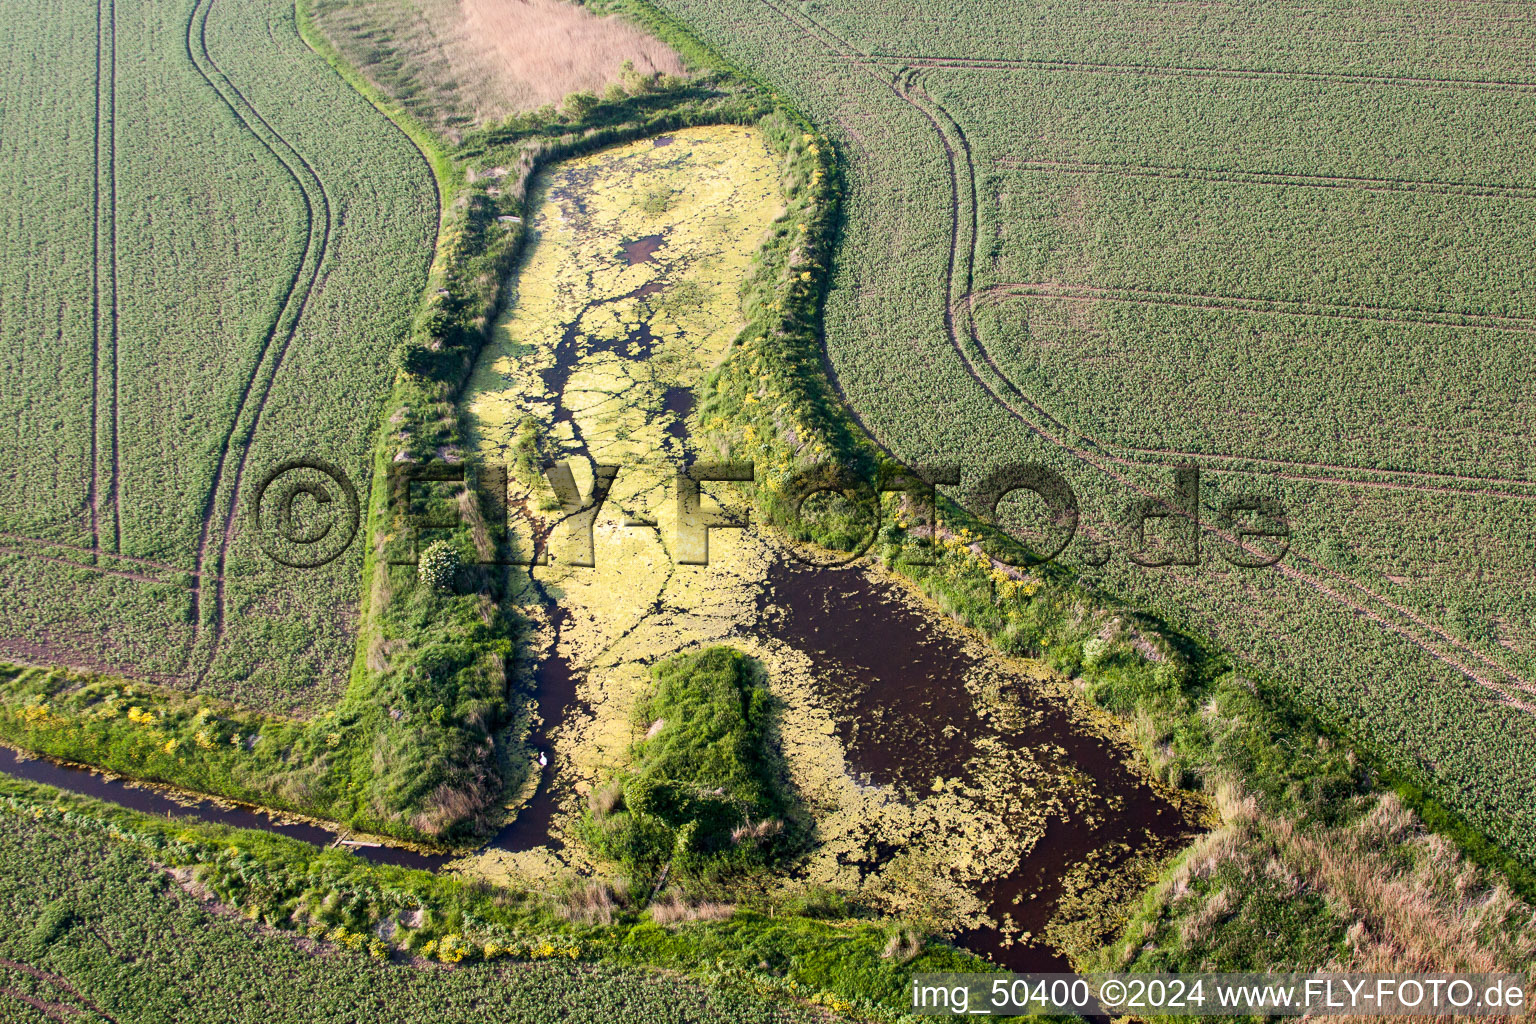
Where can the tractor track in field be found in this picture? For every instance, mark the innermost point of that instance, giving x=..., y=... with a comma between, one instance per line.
x=904, y=86
x=91, y=559
x=1100, y=456
x=1179, y=71
x=54, y=1010
x=213, y=544
x=105, y=461
x=1283, y=179
x=81, y=549
x=138, y=577
x=1250, y=304
x=1440, y=645
x=92, y=499
x=1421, y=481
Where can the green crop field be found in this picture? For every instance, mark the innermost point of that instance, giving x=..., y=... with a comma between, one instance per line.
x=108, y=937
x=212, y=245
x=1288, y=244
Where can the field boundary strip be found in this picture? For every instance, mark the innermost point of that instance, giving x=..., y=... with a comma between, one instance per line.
x=1434, y=641
x=213, y=543
x=1092, y=67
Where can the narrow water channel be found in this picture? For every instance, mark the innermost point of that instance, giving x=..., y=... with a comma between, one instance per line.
x=152, y=801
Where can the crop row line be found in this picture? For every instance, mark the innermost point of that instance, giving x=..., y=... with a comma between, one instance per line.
x=51, y=1011
x=97, y=556
x=214, y=541
x=1316, y=472
x=1478, y=190
x=1094, y=67
x=1422, y=481
x=837, y=46
x=908, y=90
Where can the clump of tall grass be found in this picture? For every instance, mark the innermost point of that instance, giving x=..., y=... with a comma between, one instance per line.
x=672, y=908
x=592, y=903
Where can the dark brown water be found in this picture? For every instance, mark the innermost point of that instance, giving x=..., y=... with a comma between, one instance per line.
x=643, y=249
x=896, y=687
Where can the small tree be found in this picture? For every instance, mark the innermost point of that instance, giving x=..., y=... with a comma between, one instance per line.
x=578, y=104
x=439, y=565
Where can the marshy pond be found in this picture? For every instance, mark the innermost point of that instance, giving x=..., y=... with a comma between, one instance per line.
x=941, y=778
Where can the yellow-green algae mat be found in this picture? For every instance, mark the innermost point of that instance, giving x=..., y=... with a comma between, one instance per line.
x=627, y=296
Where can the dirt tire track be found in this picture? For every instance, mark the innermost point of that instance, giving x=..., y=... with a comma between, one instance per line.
x=58, y=981
x=102, y=498
x=1093, y=459
x=1301, y=470
x=1331, y=467
x=115, y=414
x=53, y=1011
x=1109, y=455
x=130, y=559
x=56, y=560
x=91, y=496
x=213, y=544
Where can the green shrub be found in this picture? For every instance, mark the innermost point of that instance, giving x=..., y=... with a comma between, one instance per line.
x=55, y=919
x=439, y=565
